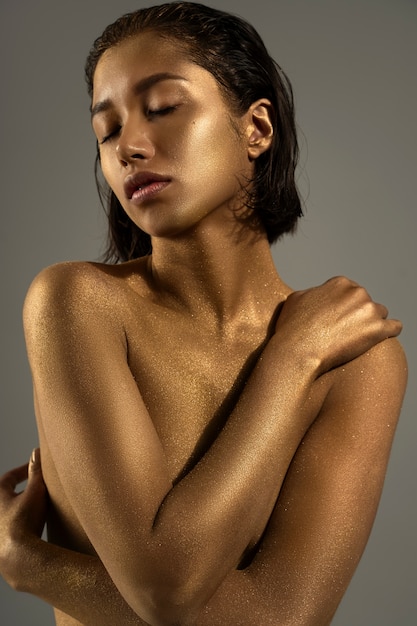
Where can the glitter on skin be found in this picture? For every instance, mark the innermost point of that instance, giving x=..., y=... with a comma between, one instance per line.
x=162, y=427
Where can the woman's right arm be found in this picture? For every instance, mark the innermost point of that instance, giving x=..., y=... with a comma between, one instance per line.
x=172, y=546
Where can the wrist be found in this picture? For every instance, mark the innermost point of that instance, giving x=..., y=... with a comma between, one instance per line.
x=23, y=562
x=298, y=357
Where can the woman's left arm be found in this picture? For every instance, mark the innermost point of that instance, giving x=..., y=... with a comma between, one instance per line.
x=327, y=505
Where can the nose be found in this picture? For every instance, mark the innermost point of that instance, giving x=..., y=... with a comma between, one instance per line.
x=133, y=143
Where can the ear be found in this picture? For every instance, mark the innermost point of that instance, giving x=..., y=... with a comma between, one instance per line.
x=260, y=130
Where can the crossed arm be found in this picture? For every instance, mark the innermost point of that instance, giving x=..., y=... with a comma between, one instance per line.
x=319, y=476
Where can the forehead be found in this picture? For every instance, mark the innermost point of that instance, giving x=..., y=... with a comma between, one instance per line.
x=141, y=56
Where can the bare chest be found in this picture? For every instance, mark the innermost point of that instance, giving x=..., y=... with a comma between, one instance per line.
x=190, y=382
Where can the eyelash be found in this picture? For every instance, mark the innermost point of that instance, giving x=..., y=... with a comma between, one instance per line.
x=150, y=114
x=109, y=136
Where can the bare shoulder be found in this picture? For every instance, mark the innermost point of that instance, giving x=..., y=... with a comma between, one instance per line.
x=77, y=287
x=54, y=284
x=384, y=365
x=68, y=303
x=368, y=392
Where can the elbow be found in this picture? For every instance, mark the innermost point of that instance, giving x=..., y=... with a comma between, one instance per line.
x=161, y=605
x=169, y=605
x=175, y=607
x=171, y=591
x=172, y=614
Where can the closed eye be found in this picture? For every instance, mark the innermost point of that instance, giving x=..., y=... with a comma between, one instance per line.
x=151, y=113
x=110, y=135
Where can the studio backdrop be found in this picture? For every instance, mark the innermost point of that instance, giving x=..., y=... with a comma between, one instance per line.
x=352, y=64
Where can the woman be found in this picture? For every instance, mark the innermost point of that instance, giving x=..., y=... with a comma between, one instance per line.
x=213, y=444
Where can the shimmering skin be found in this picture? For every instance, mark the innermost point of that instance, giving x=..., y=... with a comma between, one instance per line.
x=223, y=461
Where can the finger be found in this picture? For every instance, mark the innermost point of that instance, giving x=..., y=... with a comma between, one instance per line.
x=342, y=281
x=35, y=477
x=393, y=328
x=11, y=479
x=382, y=310
x=35, y=462
x=35, y=469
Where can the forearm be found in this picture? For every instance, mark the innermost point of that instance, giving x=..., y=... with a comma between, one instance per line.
x=235, y=486
x=172, y=546
x=300, y=554
x=210, y=517
x=206, y=522
x=76, y=584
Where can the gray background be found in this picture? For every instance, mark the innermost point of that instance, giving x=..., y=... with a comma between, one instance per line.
x=353, y=67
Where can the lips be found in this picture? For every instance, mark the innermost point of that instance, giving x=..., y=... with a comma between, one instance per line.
x=137, y=184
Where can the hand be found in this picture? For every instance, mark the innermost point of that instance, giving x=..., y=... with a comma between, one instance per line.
x=22, y=515
x=334, y=323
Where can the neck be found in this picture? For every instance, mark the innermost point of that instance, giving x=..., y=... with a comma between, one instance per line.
x=222, y=279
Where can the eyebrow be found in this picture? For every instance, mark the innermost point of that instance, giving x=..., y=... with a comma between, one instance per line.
x=140, y=87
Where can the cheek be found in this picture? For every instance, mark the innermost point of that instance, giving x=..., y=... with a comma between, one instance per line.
x=107, y=169
x=214, y=149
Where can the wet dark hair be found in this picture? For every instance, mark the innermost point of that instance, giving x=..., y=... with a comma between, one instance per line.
x=233, y=52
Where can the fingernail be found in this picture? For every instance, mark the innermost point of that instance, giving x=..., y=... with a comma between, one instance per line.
x=34, y=459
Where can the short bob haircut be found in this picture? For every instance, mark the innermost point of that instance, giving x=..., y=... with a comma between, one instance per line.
x=233, y=52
